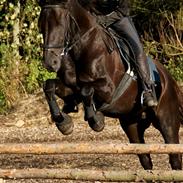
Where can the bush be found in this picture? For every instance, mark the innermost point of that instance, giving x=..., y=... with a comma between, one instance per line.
x=9, y=77
x=160, y=23
x=21, y=70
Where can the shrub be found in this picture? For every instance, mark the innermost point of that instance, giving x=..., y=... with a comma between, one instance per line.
x=20, y=51
x=160, y=23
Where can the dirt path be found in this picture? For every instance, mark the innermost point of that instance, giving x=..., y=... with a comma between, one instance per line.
x=30, y=122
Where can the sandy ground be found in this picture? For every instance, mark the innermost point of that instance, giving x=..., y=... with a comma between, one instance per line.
x=30, y=122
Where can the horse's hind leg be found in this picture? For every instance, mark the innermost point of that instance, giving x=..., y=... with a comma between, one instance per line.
x=169, y=128
x=63, y=121
x=135, y=134
x=95, y=118
x=70, y=103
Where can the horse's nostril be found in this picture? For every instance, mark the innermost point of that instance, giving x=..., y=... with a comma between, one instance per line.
x=54, y=62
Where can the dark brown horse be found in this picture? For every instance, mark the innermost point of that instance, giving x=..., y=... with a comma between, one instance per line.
x=78, y=49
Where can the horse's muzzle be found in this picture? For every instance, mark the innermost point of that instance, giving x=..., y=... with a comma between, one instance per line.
x=52, y=62
x=52, y=67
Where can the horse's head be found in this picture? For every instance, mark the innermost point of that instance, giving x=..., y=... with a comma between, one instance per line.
x=53, y=25
x=63, y=24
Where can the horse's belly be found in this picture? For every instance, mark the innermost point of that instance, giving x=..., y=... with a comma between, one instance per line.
x=126, y=101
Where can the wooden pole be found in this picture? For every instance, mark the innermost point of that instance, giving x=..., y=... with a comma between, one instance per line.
x=92, y=175
x=2, y=181
x=16, y=26
x=90, y=148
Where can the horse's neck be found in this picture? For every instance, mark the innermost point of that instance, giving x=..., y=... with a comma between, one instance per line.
x=83, y=18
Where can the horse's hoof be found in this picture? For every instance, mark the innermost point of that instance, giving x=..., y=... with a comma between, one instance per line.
x=66, y=125
x=97, y=122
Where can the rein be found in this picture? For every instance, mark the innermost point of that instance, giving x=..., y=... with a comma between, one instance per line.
x=67, y=49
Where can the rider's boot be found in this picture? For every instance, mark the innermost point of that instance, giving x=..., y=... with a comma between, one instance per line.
x=126, y=29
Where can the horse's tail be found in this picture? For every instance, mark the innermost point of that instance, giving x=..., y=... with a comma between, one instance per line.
x=180, y=97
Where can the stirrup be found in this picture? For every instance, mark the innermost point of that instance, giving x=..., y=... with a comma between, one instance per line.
x=147, y=99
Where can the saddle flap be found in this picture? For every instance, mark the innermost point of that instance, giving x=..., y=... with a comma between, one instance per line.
x=108, y=40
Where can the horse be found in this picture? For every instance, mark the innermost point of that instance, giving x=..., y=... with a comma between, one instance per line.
x=78, y=48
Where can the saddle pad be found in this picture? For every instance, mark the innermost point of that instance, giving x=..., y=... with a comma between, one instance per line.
x=154, y=74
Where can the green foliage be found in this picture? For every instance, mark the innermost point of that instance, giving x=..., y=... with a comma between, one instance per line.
x=21, y=70
x=160, y=23
x=2, y=102
x=29, y=36
x=149, y=14
x=37, y=75
x=9, y=76
x=176, y=69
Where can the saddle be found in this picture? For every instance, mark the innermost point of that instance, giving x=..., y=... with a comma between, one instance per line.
x=113, y=41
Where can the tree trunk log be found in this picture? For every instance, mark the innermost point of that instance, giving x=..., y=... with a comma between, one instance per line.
x=93, y=175
x=90, y=148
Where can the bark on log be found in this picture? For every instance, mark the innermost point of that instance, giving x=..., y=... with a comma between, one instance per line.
x=90, y=148
x=93, y=175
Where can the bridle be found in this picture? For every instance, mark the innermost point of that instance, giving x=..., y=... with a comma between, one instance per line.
x=67, y=46
x=46, y=47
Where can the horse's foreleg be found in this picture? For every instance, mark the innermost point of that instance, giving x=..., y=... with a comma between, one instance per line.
x=71, y=97
x=135, y=134
x=63, y=121
x=49, y=90
x=94, y=118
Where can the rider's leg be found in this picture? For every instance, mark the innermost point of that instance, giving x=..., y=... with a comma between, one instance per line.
x=126, y=29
